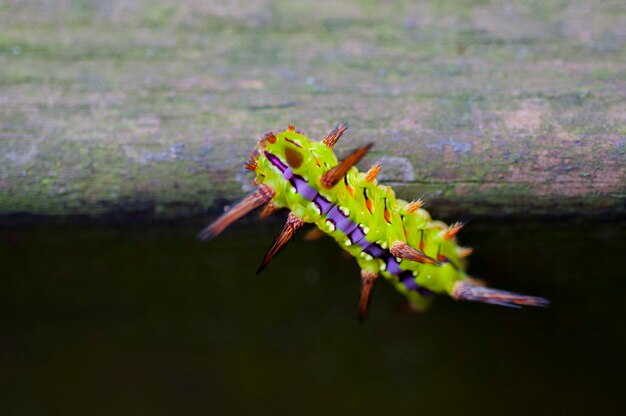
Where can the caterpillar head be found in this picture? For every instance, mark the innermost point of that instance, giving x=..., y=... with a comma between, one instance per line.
x=297, y=151
x=289, y=149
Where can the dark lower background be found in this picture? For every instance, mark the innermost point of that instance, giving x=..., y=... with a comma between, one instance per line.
x=145, y=319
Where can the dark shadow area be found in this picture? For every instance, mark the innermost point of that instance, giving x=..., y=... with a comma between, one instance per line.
x=125, y=319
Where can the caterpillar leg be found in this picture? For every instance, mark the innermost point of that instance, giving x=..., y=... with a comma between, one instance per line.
x=367, y=284
x=418, y=303
x=467, y=291
x=289, y=229
x=261, y=195
x=314, y=234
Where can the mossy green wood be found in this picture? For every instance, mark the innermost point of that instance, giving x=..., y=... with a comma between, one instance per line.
x=144, y=109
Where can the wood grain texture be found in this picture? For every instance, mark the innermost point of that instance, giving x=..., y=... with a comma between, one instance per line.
x=153, y=107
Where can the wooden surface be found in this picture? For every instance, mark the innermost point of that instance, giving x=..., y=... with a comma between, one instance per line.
x=482, y=107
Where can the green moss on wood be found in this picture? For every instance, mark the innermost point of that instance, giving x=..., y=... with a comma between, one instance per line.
x=154, y=106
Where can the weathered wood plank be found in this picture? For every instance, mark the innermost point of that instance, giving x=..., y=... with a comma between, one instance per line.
x=482, y=107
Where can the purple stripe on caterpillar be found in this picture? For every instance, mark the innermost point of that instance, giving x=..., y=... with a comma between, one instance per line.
x=357, y=235
x=343, y=222
x=407, y=279
x=348, y=228
x=303, y=188
x=410, y=283
x=322, y=203
x=374, y=250
x=364, y=243
x=298, y=182
x=288, y=174
x=276, y=162
x=335, y=215
x=393, y=267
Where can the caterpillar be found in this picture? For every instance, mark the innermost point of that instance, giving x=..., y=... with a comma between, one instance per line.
x=386, y=235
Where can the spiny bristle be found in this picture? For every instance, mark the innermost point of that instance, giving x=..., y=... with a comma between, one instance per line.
x=291, y=127
x=464, y=251
x=371, y=174
x=404, y=251
x=252, y=165
x=333, y=176
x=476, y=282
x=367, y=283
x=268, y=210
x=334, y=135
x=413, y=206
x=452, y=230
x=261, y=195
x=291, y=226
x=469, y=292
x=270, y=137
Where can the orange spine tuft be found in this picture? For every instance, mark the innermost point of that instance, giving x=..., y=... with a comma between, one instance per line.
x=334, y=135
x=414, y=206
x=371, y=174
x=464, y=251
x=252, y=165
x=452, y=230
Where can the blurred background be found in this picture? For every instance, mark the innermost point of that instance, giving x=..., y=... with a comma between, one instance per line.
x=124, y=126
x=143, y=319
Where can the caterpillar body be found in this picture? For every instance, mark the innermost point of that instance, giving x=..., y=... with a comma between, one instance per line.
x=386, y=235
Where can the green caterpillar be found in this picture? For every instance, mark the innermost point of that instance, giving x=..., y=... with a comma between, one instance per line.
x=420, y=257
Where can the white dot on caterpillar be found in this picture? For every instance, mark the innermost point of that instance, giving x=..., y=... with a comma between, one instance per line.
x=330, y=225
x=414, y=273
x=365, y=229
x=384, y=244
x=316, y=209
x=383, y=266
x=293, y=190
x=398, y=259
x=345, y=211
x=368, y=257
x=347, y=242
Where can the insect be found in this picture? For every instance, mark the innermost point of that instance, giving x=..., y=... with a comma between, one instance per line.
x=386, y=235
